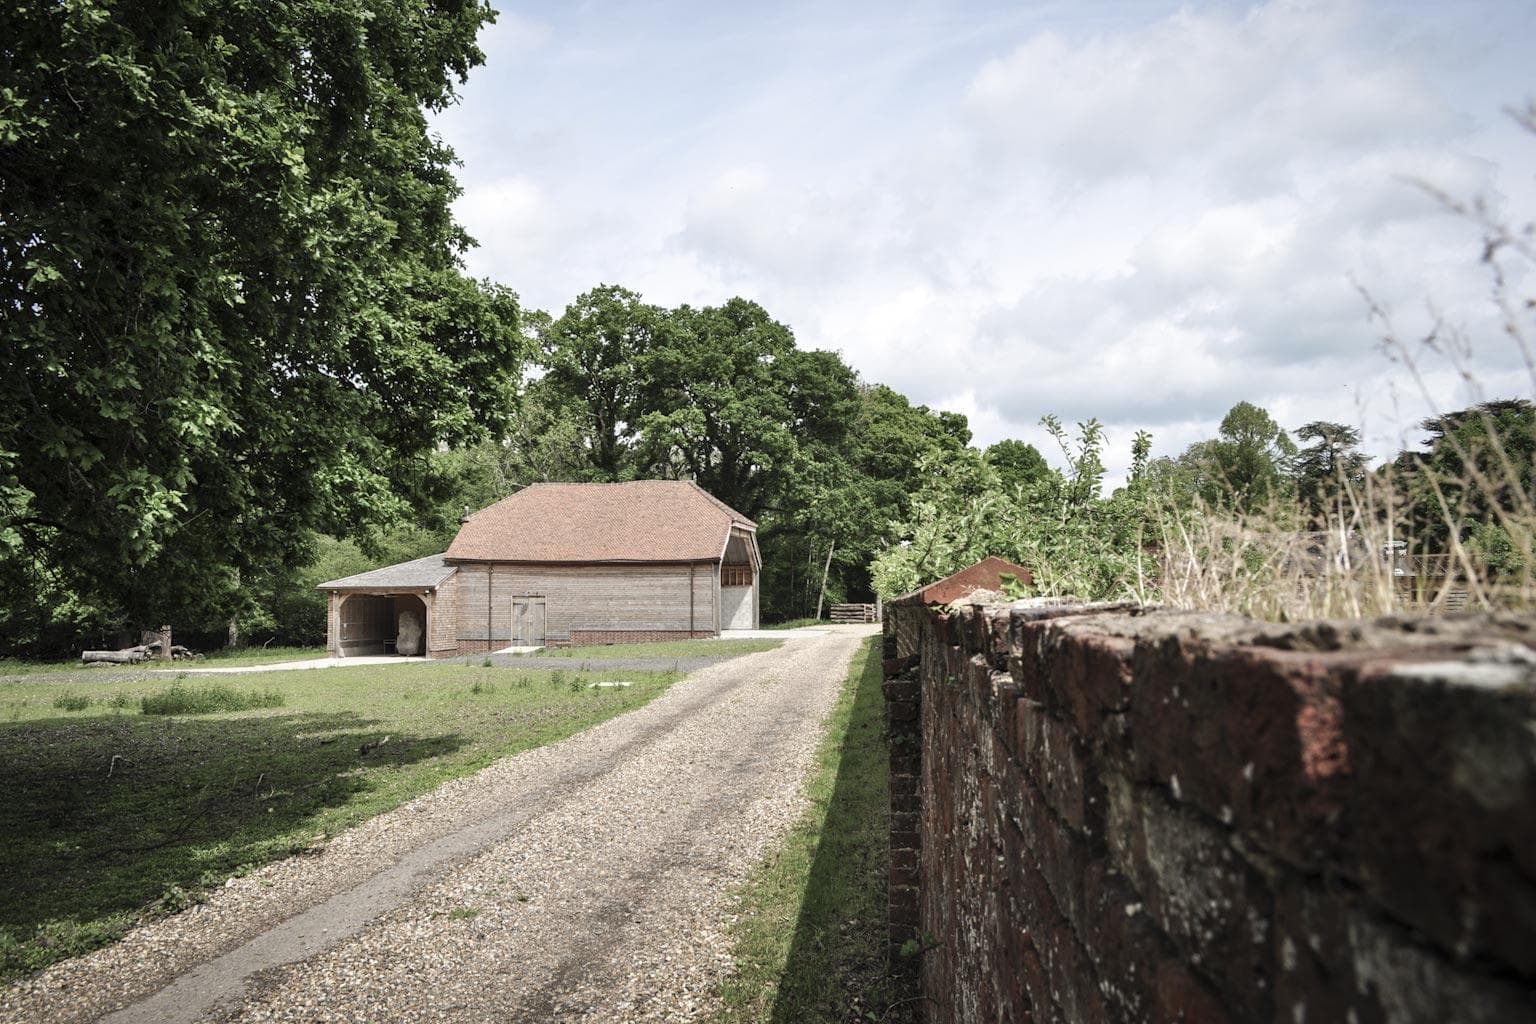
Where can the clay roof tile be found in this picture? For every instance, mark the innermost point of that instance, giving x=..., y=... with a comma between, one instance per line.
x=638, y=521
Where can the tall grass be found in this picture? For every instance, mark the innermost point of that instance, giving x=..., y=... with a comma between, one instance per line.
x=1362, y=558
x=1416, y=536
x=206, y=700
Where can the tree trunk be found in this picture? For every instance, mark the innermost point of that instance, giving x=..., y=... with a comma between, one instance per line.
x=128, y=656
x=824, y=570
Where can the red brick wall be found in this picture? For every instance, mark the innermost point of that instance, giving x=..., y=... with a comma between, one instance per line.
x=1110, y=815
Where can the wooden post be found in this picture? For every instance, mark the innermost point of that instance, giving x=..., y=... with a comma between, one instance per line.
x=165, y=643
x=824, y=570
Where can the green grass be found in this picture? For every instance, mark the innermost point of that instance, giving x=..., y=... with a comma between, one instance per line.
x=664, y=649
x=230, y=657
x=23, y=667
x=234, y=657
x=799, y=624
x=206, y=700
x=112, y=816
x=810, y=944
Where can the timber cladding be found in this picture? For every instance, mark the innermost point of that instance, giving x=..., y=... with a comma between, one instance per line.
x=670, y=599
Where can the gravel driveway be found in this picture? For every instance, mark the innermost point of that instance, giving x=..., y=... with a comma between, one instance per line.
x=581, y=881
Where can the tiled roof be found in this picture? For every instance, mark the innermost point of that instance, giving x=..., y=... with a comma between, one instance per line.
x=639, y=521
x=986, y=574
x=418, y=573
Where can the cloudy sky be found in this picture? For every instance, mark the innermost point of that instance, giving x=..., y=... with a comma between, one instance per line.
x=1126, y=209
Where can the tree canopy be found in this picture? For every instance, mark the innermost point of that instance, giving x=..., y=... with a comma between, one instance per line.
x=230, y=289
x=1329, y=468
x=1475, y=478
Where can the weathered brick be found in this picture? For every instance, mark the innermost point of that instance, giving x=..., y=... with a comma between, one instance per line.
x=1233, y=767
x=903, y=911
x=1252, y=736
x=1443, y=787
x=1059, y=769
x=998, y=622
x=1205, y=897
x=1339, y=960
x=1182, y=997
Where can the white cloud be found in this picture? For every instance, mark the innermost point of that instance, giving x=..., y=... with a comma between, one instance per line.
x=512, y=220
x=1139, y=218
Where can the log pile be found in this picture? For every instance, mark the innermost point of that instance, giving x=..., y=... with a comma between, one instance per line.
x=855, y=613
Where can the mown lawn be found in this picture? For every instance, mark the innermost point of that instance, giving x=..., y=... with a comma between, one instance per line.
x=112, y=814
x=810, y=944
x=664, y=649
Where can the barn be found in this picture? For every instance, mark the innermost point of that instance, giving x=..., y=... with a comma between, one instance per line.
x=558, y=564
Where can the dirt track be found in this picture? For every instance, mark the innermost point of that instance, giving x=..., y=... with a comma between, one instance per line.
x=585, y=880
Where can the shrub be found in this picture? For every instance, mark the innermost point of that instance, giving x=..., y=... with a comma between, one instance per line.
x=71, y=702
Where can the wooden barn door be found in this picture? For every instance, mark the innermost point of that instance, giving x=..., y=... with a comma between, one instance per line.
x=528, y=621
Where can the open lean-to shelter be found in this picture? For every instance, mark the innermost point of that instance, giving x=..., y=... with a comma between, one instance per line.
x=558, y=564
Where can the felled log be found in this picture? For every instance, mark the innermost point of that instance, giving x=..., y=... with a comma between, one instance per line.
x=127, y=656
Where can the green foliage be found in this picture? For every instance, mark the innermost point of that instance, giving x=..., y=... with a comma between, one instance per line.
x=1246, y=465
x=71, y=702
x=1491, y=546
x=234, y=313
x=207, y=700
x=1017, y=463
x=722, y=396
x=1073, y=539
x=730, y=403
x=1478, y=469
x=1330, y=468
x=591, y=354
x=846, y=497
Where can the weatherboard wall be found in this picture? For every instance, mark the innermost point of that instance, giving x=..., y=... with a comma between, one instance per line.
x=641, y=601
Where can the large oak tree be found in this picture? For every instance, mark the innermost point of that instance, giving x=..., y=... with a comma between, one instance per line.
x=231, y=300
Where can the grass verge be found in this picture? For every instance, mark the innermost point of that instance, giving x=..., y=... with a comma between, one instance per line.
x=113, y=816
x=663, y=649
x=810, y=944
x=229, y=657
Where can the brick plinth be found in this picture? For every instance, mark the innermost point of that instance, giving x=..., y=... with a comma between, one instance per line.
x=586, y=637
